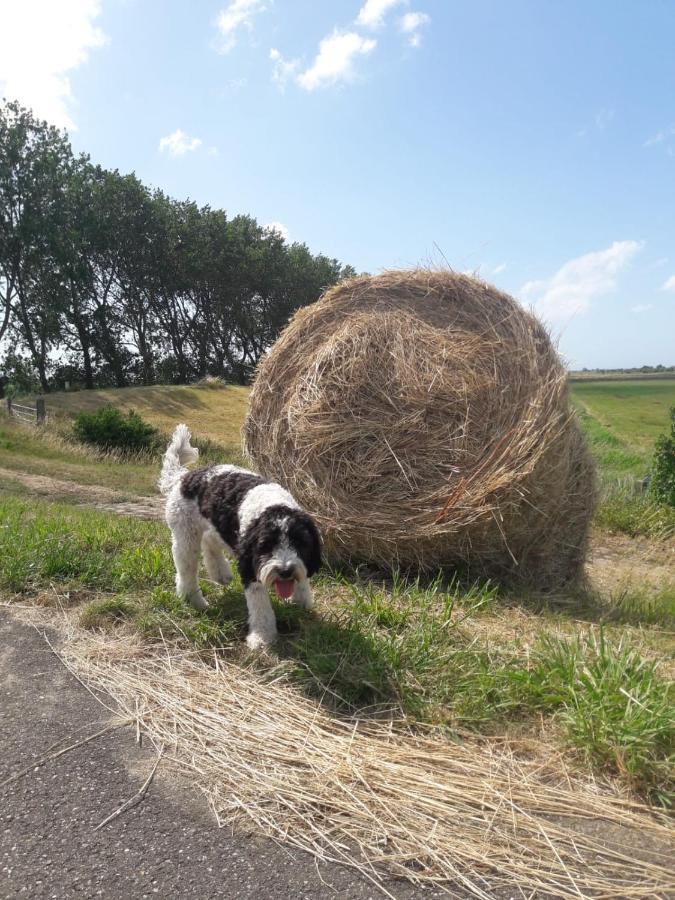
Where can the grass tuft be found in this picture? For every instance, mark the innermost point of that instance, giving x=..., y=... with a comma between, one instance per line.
x=107, y=612
x=614, y=707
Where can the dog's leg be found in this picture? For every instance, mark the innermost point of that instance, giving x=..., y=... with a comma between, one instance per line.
x=185, y=548
x=262, y=625
x=302, y=594
x=214, y=558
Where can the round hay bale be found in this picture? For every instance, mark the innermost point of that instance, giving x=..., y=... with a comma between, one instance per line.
x=423, y=417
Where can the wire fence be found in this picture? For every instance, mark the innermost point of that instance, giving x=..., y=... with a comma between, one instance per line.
x=30, y=415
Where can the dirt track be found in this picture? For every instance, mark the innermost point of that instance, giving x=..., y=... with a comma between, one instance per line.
x=89, y=495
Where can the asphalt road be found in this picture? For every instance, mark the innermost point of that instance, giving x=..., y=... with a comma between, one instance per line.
x=167, y=846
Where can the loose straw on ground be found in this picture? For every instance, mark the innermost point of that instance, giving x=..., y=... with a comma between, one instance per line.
x=465, y=816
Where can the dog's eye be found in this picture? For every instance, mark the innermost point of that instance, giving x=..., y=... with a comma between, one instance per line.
x=300, y=537
x=268, y=542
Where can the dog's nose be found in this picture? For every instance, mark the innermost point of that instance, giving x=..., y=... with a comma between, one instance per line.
x=286, y=572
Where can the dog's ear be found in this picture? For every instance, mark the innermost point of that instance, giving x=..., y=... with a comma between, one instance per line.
x=313, y=561
x=246, y=559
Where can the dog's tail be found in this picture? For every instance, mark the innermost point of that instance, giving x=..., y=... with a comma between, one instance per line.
x=178, y=454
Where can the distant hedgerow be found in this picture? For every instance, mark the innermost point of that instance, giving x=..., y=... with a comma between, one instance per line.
x=110, y=429
x=663, y=472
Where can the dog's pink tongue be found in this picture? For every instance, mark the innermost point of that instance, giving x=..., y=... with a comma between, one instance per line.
x=284, y=587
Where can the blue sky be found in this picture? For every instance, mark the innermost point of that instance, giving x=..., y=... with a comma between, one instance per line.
x=532, y=141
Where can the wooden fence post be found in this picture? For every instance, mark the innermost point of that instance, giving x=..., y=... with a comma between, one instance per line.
x=40, y=410
x=9, y=406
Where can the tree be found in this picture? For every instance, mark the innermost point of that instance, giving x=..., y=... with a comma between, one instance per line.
x=34, y=161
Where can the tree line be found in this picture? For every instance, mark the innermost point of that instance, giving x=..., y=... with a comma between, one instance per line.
x=104, y=281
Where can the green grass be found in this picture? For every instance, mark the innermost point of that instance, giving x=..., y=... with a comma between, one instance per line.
x=622, y=510
x=42, y=542
x=621, y=420
x=614, y=707
x=634, y=412
x=421, y=649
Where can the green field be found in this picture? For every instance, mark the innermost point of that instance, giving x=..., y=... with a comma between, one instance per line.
x=634, y=412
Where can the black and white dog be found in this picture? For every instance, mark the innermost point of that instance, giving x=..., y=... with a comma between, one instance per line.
x=226, y=509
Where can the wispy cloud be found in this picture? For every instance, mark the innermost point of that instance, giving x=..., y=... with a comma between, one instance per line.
x=411, y=24
x=601, y=120
x=179, y=143
x=642, y=307
x=335, y=60
x=669, y=284
x=41, y=44
x=499, y=268
x=373, y=12
x=657, y=263
x=284, y=70
x=661, y=137
x=238, y=14
x=576, y=283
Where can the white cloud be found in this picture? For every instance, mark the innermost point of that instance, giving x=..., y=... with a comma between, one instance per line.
x=42, y=42
x=410, y=25
x=499, y=268
x=641, y=307
x=238, y=14
x=279, y=228
x=373, y=12
x=284, y=70
x=572, y=288
x=669, y=284
x=334, y=61
x=178, y=143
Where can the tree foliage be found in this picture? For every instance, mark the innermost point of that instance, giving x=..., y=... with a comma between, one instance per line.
x=104, y=281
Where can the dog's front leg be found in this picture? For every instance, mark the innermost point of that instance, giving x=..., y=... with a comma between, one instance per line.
x=262, y=625
x=302, y=594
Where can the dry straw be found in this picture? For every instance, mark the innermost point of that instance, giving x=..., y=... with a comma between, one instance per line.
x=466, y=817
x=424, y=418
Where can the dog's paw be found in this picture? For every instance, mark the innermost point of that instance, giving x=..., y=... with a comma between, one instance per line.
x=258, y=640
x=224, y=578
x=198, y=601
x=302, y=596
